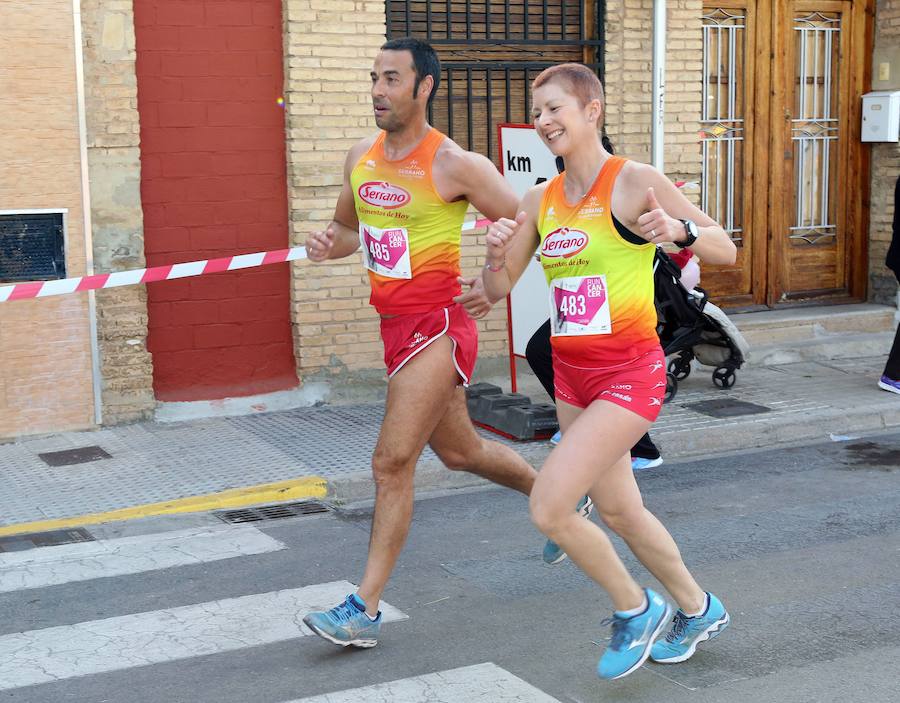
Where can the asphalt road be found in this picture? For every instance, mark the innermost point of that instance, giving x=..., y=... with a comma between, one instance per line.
x=802, y=545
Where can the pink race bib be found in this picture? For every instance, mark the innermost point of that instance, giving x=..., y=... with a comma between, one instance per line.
x=386, y=251
x=579, y=305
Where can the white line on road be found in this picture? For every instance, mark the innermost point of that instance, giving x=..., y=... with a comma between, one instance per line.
x=99, y=646
x=482, y=683
x=50, y=566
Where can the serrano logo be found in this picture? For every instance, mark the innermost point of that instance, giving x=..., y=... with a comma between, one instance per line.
x=384, y=195
x=564, y=242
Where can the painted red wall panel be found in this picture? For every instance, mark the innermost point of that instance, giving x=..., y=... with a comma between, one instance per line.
x=213, y=183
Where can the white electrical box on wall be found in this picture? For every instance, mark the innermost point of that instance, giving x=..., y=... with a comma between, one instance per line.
x=881, y=116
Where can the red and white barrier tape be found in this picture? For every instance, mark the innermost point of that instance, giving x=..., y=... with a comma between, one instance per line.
x=63, y=286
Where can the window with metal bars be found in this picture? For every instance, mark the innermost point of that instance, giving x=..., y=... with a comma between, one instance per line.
x=491, y=52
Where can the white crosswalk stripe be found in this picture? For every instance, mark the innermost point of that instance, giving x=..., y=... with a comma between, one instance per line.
x=99, y=646
x=482, y=683
x=67, y=563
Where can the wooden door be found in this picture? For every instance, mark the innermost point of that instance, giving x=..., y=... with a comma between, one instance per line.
x=783, y=168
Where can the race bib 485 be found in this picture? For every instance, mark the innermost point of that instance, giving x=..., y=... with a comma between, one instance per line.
x=386, y=251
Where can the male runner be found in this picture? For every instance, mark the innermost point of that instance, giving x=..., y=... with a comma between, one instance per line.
x=405, y=193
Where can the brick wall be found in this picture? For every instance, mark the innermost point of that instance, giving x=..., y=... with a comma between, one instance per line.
x=116, y=217
x=885, y=169
x=45, y=377
x=213, y=183
x=629, y=53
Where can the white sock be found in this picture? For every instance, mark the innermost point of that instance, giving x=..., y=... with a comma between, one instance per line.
x=702, y=609
x=634, y=611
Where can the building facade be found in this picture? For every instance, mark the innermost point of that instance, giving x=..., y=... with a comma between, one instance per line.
x=219, y=127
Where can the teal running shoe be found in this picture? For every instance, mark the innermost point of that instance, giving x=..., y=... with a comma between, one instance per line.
x=633, y=637
x=556, y=438
x=553, y=553
x=346, y=624
x=638, y=463
x=686, y=633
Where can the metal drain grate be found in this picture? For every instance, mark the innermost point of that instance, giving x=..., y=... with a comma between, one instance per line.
x=272, y=512
x=81, y=455
x=54, y=538
x=726, y=407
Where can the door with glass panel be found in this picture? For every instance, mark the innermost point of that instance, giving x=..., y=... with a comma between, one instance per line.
x=783, y=170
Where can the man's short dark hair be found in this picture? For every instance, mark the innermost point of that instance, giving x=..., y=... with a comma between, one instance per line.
x=425, y=61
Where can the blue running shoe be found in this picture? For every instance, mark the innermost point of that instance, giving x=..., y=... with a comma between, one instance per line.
x=557, y=438
x=886, y=384
x=553, y=553
x=346, y=624
x=633, y=637
x=639, y=462
x=686, y=633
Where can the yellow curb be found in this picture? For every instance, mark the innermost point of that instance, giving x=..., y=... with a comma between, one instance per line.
x=294, y=489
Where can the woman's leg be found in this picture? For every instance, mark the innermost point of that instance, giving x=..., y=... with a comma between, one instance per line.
x=595, y=441
x=620, y=506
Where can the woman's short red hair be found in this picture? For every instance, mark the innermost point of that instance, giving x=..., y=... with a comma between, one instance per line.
x=577, y=79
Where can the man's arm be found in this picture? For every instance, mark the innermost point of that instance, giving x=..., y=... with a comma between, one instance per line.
x=465, y=174
x=341, y=237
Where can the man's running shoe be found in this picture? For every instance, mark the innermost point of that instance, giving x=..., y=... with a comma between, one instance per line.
x=686, y=633
x=553, y=553
x=557, y=438
x=887, y=384
x=632, y=637
x=639, y=462
x=346, y=624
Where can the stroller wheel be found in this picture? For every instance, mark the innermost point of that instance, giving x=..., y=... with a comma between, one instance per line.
x=724, y=377
x=671, y=387
x=680, y=367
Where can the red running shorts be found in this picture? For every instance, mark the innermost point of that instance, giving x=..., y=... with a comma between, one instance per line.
x=404, y=336
x=637, y=385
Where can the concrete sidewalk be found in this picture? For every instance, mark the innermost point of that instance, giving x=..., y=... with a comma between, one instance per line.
x=325, y=451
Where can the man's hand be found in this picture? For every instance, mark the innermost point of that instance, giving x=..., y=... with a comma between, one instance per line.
x=500, y=236
x=656, y=226
x=320, y=244
x=473, y=300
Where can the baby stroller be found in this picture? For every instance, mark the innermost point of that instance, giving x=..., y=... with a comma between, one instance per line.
x=690, y=327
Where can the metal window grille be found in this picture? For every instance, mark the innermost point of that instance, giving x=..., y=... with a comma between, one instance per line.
x=491, y=52
x=815, y=129
x=32, y=246
x=722, y=118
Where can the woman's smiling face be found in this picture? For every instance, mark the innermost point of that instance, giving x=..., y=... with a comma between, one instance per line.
x=560, y=119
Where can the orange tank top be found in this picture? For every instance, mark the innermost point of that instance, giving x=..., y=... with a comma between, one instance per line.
x=410, y=236
x=601, y=286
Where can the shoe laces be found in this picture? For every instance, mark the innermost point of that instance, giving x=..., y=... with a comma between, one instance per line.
x=621, y=634
x=678, y=627
x=343, y=612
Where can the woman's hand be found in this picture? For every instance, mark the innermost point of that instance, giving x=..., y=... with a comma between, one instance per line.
x=656, y=226
x=500, y=237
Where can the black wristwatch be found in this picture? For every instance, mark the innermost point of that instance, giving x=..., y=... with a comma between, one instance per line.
x=691, y=232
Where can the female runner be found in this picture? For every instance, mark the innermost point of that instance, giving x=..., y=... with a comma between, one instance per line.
x=596, y=225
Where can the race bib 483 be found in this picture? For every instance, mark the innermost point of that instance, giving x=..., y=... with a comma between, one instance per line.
x=579, y=305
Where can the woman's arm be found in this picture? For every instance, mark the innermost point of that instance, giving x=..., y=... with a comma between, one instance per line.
x=656, y=207
x=510, y=246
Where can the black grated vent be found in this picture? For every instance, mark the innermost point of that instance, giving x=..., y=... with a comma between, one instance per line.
x=272, y=512
x=68, y=457
x=32, y=247
x=726, y=407
x=54, y=538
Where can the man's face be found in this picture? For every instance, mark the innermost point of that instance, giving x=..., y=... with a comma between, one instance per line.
x=393, y=80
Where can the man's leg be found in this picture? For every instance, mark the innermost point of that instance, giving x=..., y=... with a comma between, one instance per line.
x=417, y=399
x=459, y=446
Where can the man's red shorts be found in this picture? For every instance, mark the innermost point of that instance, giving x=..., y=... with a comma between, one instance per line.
x=404, y=336
x=638, y=385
